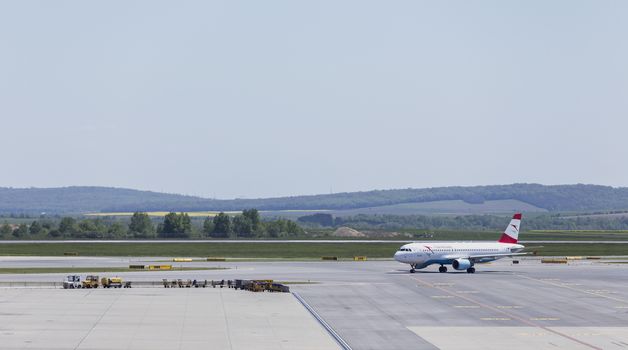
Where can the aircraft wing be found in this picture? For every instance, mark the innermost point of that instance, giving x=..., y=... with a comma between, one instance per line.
x=479, y=257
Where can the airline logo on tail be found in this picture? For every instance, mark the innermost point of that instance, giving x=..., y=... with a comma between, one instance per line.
x=511, y=235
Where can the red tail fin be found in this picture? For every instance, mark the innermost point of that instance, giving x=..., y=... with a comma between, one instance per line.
x=511, y=234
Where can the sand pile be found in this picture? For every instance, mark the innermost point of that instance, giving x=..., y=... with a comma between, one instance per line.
x=348, y=232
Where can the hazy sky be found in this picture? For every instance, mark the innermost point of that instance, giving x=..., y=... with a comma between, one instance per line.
x=269, y=98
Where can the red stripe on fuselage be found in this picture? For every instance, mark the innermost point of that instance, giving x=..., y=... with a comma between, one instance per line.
x=506, y=239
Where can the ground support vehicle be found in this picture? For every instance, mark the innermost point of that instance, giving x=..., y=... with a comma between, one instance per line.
x=90, y=282
x=197, y=284
x=111, y=282
x=72, y=282
x=260, y=286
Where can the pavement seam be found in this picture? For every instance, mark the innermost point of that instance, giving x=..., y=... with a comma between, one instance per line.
x=224, y=312
x=185, y=314
x=97, y=321
x=513, y=316
x=139, y=324
x=271, y=326
x=343, y=344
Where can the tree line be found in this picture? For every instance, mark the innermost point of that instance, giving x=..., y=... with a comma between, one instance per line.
x=248, y=224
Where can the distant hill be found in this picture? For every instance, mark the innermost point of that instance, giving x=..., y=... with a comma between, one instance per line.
x=87, y=199
x=559, y=198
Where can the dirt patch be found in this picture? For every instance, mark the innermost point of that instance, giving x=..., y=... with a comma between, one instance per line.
x=348, y=232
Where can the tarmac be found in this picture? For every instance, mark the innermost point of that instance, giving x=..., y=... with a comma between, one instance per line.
x=156, y=318
x=370, y=305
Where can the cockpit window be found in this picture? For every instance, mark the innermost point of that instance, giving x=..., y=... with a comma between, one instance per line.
x=405, y=249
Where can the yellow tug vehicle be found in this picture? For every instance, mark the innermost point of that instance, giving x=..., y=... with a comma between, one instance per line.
x=90, y=282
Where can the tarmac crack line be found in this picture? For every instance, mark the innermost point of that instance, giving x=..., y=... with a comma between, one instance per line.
x=97, y=321
x=185, y=315
x=141, y=322
x=272, y=328
x=224, y=312
x=513, y=316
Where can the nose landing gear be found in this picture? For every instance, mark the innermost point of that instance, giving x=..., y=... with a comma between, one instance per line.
x=412, y=268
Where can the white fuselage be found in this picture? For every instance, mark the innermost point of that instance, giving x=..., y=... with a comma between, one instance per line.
x=423, y=254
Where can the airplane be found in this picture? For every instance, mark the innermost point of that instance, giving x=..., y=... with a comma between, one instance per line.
x=462, y=255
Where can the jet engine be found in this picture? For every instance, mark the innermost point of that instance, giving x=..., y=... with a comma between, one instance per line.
x=461, y=264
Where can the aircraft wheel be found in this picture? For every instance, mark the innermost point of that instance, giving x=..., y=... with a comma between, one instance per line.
x=411, y=270
x=442, y=269
x=471, y=270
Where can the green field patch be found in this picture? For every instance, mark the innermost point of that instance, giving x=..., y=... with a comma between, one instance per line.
x=205, y=213
x=160, y=213
x=579, y=231
x=583, y=249
x=576, y=235
x=227, y=250
x=289, y=251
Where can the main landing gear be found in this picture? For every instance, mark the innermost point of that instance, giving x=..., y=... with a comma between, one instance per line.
x=471, y=270
x=442, y=269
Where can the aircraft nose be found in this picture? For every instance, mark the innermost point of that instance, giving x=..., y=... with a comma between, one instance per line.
x=397, y=256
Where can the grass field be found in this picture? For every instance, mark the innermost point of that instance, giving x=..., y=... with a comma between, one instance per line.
x=24, y=270
x=582, y=249
x=449, y=207
x=209, y=213
x=575, y=235
x=579, y=231
x=266, y=250
x=160, y=213
x=446, y=207
x=540, y=235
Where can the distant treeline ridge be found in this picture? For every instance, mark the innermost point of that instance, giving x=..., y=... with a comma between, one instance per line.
x=102, y=199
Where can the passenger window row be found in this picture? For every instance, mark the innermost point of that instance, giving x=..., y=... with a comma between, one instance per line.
x=461, y=250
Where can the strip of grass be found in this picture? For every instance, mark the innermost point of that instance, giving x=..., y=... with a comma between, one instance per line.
x=533, y=235
x=209, y=249
x=267, y=250
x=24, y=270
x=159, y=213
x=581, y=249
x=575, y=236
x=580, y=231
x=206, y=213
x=439, y=235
